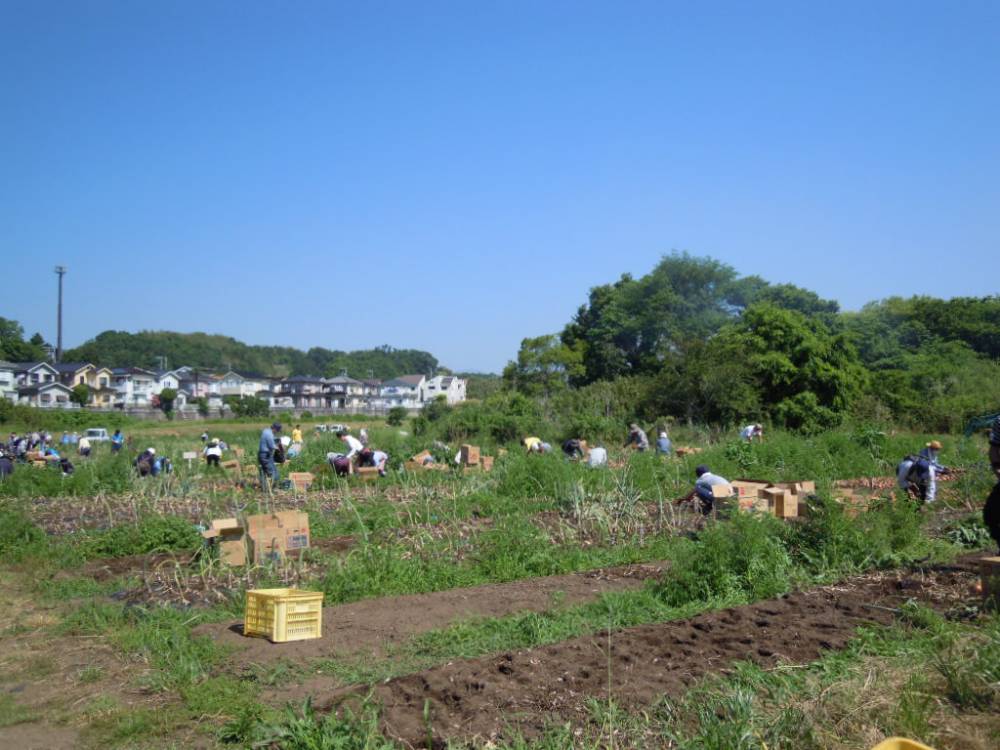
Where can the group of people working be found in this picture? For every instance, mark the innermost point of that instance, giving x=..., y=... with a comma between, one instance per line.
x=359, y=455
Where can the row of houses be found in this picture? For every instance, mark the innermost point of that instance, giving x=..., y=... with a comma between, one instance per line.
x=47, y=385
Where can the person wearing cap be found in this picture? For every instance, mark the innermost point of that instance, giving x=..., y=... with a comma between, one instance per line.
x=704, y=482
x=144, y=462
x=637, y=437
x=297, y=434
x=213, y=453
x=663, y=444
x=265, y=455
x=917, y=474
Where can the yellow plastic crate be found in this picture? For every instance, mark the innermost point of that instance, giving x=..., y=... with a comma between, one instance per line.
x=283, y=615
x=899, y=743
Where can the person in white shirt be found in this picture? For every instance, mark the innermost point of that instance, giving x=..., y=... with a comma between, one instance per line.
x=752, y=432
x=597, y=458
x=212, y=453
x=84, y=445
x=353, y=444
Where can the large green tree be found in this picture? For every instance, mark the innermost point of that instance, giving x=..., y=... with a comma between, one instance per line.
x=806, y=376
x=544, y=367
x=13, y=347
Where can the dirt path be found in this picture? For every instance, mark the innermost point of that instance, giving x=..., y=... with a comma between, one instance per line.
x=373, y=625
x=481, y=698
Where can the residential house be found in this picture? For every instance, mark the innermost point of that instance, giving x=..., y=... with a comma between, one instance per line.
x=100, y=381
x=305, y=392
x=35, y=373
x=243, y=384
x=403, y=391
x=452, y=388
x=8, y=383
x=167, y=379
x=50, y=395
x=135, y=387
x=345, y=392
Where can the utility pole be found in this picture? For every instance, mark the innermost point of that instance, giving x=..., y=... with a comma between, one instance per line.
x=60, y=272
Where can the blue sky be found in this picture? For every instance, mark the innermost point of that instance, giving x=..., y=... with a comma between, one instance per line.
x=454, y=176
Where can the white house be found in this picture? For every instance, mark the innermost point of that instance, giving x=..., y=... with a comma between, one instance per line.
x=35, y=373
x=8, y=383
x=403, y=391
x=452, y=388
x=135, y=386
x=49, y=395
x=239, y=384
x=168, y=379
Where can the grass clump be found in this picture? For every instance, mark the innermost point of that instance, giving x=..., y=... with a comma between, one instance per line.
x=743, y=558
x=150, y=534
x=19, y=535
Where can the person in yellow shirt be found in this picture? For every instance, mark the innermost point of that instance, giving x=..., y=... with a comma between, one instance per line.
x=533, y=444
x=297, y=434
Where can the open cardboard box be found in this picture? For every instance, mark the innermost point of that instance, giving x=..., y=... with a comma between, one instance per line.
x=273, y=535
x=229, y=536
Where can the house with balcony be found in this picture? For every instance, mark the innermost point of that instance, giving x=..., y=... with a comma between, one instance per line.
x=135, y=387
x=302, y=391
x=34, y=373
x=345, y=393
x=100, y=381
x=8, y=383
x=243, y=384
x=405, y=391
x=452, y=388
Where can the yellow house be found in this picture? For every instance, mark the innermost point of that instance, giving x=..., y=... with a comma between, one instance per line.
x=100, y=380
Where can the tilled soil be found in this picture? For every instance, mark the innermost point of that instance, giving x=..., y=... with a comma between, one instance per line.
x=372, y=626
x=490, y=698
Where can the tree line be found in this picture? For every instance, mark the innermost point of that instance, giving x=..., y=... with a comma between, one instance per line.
x=694, y=340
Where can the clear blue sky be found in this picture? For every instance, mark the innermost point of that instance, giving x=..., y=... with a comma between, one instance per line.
x=455, y=176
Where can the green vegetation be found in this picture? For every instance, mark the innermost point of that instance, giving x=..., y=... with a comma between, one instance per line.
x=214, y=352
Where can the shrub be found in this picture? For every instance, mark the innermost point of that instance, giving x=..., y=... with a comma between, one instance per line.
x=152, y=534
x=18, y=534
x=743, y=558
x=396, y=416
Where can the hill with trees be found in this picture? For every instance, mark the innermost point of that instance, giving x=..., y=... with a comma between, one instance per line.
x=217, y=352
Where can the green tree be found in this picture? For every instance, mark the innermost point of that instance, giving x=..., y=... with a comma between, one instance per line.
x=247, y=406
x=80, y=394
x=806, y=376
x=396, y=416
x=202, y=404
x=167, y=398
x=13, y=347
x=544, y=367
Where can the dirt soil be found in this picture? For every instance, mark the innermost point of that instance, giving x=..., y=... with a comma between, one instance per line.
x=485, y=699
x=373, y=626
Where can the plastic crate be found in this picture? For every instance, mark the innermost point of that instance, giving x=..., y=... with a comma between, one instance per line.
x=899, y=743
x=283, y=615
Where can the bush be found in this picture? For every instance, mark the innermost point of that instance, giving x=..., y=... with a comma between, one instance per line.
x=18, y=534
x=396, y=416
x=152, y=534
x=742, y=558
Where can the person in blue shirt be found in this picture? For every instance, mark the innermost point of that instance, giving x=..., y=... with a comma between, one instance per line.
x=117, y=441
x=265, y=454
x=663, y=443
x=65, y=438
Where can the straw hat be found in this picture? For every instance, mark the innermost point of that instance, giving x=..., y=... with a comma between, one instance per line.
x=934, y=445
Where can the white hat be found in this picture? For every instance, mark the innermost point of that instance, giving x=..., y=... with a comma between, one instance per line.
x=152, y=450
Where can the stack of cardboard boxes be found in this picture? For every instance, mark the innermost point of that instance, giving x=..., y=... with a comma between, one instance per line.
x=268, y=536
x=471, y=459
x=417, y=463
x=781, y=499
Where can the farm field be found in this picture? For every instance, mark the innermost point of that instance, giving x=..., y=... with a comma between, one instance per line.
x=542, y=604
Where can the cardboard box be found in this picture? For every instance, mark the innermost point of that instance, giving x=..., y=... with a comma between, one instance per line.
x=239, y=452
x=272, y=536
x=721, y=491
x=233, y=465
x=421, y=457
x=301, y=480
x=786, y=505
x=805, y=488
x=367, y=473
x=230, y=538
x=487, y=463
x=470, y=455
x=770, y=496
x=746, y=488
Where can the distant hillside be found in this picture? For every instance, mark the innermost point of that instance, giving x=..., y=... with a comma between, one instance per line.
x=216, y=352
